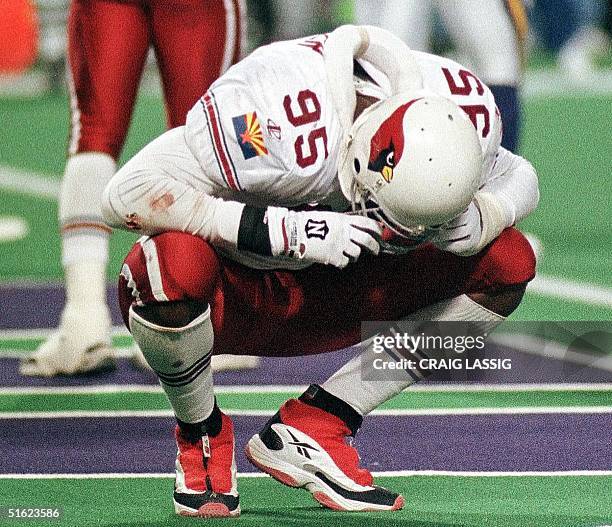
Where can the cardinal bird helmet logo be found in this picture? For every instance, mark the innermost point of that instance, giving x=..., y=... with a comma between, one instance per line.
x=387, y=144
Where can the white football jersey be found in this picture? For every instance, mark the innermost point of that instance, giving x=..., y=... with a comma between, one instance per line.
x=266, y=132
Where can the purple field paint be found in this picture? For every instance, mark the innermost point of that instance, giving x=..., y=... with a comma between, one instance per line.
x=317, y=368
x=456, y=443
x=294, y=370
x=40, y=306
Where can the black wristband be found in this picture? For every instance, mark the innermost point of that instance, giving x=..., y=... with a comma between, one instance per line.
x=253, y=233
x=319, y=398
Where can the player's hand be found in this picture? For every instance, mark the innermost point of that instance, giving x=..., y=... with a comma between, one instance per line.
x=325, y=237
x=462, y=234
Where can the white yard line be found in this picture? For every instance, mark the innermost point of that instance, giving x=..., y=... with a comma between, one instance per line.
x=545, y=84
x=296, y=388
x=400, y=412
x=537, y=346
x=492, y=474
x=378, y=474
x=593, y=294
x=42, y=333
x=28, y=183
x=15, y=353
x=518, y=387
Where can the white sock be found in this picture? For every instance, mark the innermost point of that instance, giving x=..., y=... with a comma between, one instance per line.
x=84, y=234
x=86, y=283
x=349, y=382
x=181, y=359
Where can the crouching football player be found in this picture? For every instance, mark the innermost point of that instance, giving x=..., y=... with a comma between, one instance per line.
x=250, y=245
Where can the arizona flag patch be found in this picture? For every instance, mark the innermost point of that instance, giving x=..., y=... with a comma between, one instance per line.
x=249, y=135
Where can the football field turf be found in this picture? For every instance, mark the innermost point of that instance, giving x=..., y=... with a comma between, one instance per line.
x=433, y=501
x=500, y=454
x=526, y=452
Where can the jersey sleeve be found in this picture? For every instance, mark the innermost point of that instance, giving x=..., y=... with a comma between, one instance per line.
x=513, y=180
x=267, y=128
x=230, y=143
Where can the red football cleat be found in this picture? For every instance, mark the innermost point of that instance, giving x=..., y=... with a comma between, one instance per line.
x=205, y=484
x=303, y=446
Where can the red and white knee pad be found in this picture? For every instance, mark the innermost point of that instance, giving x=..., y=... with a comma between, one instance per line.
x=169, y=267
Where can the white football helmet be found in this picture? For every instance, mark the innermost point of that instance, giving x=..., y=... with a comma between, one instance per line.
x=417, y=156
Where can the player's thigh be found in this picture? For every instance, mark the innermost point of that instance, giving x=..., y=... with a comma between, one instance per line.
x=321, y=308
x=318, y=309
x=333, y=303
x=107, y=48
x=195, y=42
x=326, y=306
x=249, y=308
x=491, y=33
x=397, y=286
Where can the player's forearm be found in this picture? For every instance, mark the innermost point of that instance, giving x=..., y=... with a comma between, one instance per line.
x=381, y=48
x=515, y=185
x=151, y=204
x=508, y=197
x=392, y=56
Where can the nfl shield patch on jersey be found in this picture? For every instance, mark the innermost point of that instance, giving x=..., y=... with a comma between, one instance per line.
x=249, y=135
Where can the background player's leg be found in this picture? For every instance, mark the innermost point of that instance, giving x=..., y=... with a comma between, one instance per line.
x=107, y=47
x=195, y=42
x=495, y=50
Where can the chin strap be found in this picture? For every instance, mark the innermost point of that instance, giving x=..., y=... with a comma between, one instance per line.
x=361, y=204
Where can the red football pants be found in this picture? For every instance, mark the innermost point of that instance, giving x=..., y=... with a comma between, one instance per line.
x=108, y=42
x=318, y=309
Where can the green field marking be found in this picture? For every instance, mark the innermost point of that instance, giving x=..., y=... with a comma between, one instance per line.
x=572, y=219
x=30, y=344
x=539, y=307
x=56, y=402
x=431, y=501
